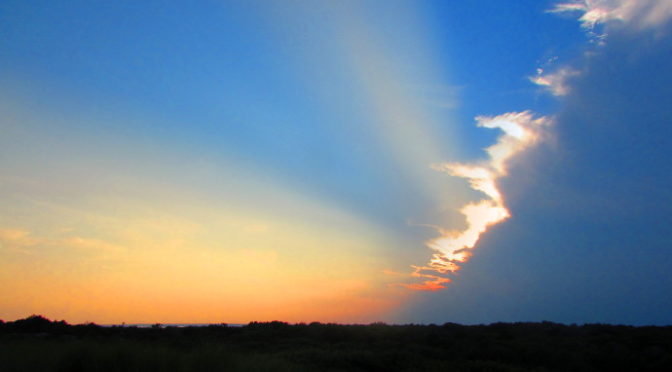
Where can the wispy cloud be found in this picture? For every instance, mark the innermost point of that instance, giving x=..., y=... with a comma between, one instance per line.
x=26, y=242
x=635, y=15
x=555, y=82
x=520, y=131
x=638, y=14
x=17, y=240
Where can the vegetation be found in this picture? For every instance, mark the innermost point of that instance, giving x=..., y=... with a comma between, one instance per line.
x=38, y=344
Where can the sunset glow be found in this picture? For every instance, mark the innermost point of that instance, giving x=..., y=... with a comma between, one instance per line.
x=335, y=161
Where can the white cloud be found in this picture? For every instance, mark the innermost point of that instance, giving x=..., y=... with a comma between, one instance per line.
x=521, y=130
x=555, y=82
x=636, y=14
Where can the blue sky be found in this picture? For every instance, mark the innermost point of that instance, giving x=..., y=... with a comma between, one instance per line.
x=265, y=146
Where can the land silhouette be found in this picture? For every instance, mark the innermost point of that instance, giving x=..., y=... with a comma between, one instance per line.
x=39, y=344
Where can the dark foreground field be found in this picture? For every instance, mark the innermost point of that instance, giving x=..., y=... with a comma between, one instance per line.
x=37, y=344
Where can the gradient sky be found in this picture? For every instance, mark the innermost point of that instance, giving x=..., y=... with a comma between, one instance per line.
x=348, y=161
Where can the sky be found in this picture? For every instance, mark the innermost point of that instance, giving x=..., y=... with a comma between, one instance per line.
x=352, y=161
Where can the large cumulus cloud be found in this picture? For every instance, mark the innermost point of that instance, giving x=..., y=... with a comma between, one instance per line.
x=591, y=235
